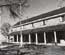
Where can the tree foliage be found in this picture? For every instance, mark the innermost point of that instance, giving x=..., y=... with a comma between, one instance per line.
x=15, y=10
x=5, y=28
x=14, y=6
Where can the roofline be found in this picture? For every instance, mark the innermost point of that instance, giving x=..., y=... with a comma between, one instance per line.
x=46, y=18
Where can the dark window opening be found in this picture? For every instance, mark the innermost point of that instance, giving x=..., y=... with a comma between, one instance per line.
x=19, y=37
x=25, y=38
x=63, y=18
x=60, y=36
x=33, y=37
x=15, y=38
x=41, y=37
x=50, y=37
x=43, y=22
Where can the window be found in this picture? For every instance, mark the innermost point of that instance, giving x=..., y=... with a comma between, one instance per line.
x=14, y=29
x=53, y=21
x=15, y=38
x=18, y=28
x=38, y=24
x=25, y=38
x=29, y=26
x=63, y=18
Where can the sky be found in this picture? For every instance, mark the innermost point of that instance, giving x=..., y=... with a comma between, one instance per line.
x=36, y=7
x=40, y=6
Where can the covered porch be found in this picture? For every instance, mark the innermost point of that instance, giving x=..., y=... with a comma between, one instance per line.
x=49, y=35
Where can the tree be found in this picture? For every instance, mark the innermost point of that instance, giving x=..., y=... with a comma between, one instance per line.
x=5, y=29
x=16, y=8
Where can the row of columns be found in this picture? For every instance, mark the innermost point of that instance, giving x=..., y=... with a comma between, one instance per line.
x=21, y=39
x=36, y=38
x=55, y=38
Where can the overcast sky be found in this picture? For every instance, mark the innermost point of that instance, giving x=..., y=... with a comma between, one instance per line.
x=41, y=6
x=37, y=7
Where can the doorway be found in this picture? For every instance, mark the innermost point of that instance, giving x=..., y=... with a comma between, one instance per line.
x=33, y=38
x=60, y=36
x=50, y=37
x=41, y=37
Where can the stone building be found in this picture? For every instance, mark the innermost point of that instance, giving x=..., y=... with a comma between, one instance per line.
x=44, y=29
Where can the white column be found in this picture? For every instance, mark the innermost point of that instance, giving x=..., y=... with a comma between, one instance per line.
x=55, y=37
x=17, y=38
x=10, y=39
x=45, y=37
x=21, y=39
x=29, y=39
x=36, y=38
x=7, y=39
x=13, y=38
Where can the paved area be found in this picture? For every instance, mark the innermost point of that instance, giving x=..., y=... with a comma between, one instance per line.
x=36, y=50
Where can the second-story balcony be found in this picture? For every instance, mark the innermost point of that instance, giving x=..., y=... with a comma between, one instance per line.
x=40, y=24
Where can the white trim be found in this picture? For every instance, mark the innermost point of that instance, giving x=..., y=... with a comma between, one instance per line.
x=42, y=26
